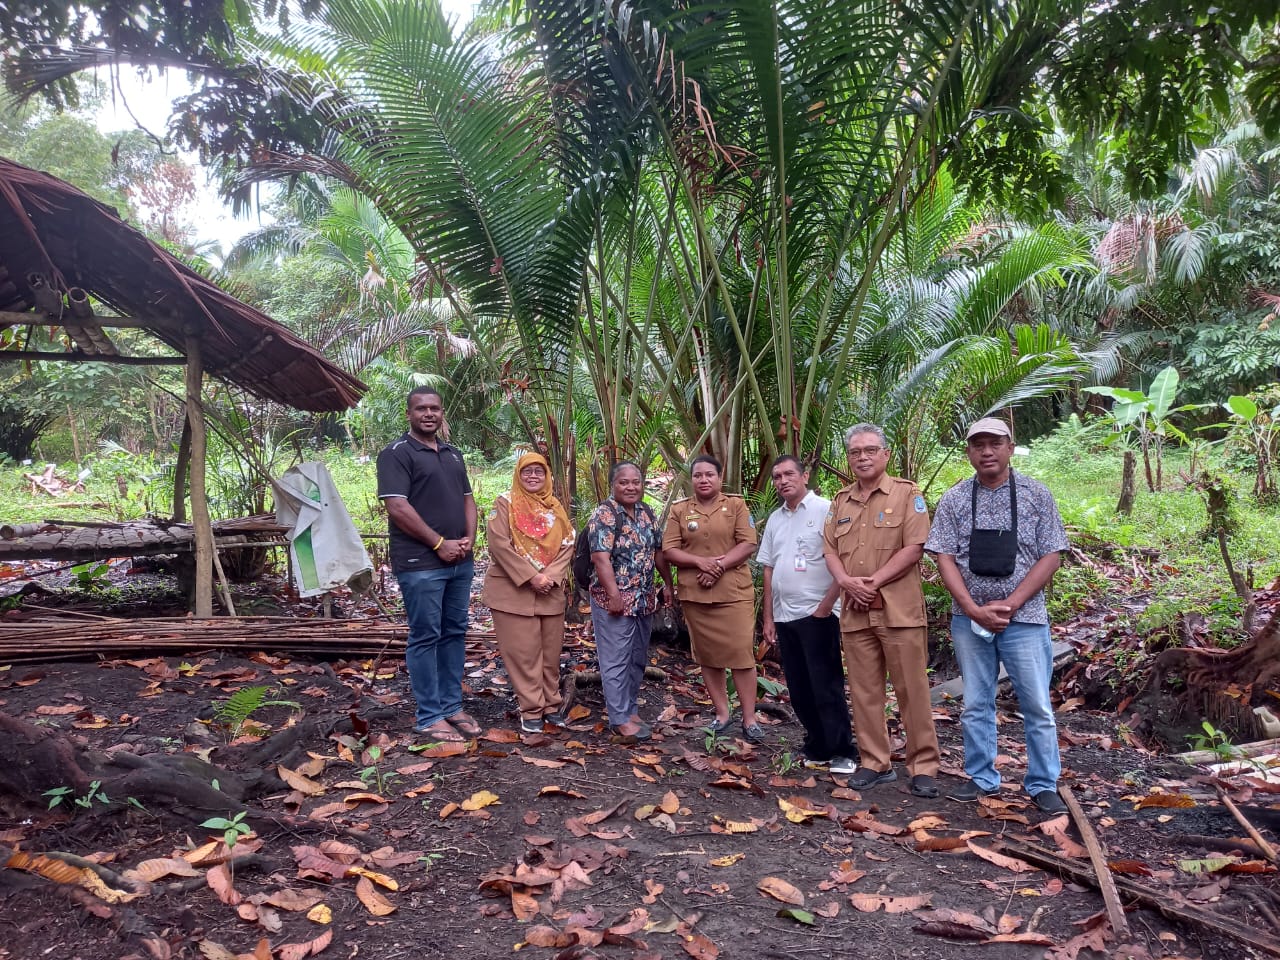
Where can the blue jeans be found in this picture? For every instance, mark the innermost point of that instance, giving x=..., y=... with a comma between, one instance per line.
x=436, y=603
x=1027, y=655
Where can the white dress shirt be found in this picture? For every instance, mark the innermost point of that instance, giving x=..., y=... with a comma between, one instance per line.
x=792, y=546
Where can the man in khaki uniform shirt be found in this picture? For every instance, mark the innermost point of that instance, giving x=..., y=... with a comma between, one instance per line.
x=872, y=543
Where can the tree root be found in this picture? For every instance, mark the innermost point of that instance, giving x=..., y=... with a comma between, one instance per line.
x=1207, y=675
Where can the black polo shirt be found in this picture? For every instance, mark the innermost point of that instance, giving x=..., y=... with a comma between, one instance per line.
x=435, y=484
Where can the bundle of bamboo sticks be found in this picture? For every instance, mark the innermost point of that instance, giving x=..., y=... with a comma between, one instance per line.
x=60, y=638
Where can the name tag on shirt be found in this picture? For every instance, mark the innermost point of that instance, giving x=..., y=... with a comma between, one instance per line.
x=801, y=564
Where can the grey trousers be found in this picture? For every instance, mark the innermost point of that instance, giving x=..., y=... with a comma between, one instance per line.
x=622, y=647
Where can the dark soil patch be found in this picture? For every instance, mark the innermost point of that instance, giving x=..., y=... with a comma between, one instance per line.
x=653, y=850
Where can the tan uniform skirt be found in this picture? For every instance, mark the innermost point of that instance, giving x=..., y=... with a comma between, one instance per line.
x=722, y=634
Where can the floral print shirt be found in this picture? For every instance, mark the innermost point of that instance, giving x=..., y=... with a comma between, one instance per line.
x=631, y=543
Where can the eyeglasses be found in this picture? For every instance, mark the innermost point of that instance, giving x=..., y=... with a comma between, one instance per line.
x=533, y=472
x=857, y=453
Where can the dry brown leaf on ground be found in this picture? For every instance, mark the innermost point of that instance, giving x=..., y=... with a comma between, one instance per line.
x=204, y=854
x=264, y=916
x=373, y=901
x=303, y=784
x=633, y=922
x=449, y=808
x=388, y=857
x=544, y=936
x=479, y=800
x=670, y=803
x=151, y=870
x=799, y=809
x=287, y=898
x=1132, y=867
x=1094, y=939
x=500, y=735
x=870, y=902
x=320, y=913
x=381, y=879
x=1029, y=937
x=949, y=930
x=641, y=775
x=541, y=762
x=444, y=748
x=928, y=822
x=596, y=816
x=219, y=879
x=781, y=890
x=524, y=905
x=941, y=844
x=700, y=947
x=829, y=910
x=216, y=951
x=299, y=951
x=961, y=917
x=1000, y=860
x=728, y=860
x=314, y=862
x=342, y=852
x=554, y=790
x=1168, y=801
x=653, y=890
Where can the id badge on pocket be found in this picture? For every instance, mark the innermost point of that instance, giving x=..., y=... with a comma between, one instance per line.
x=801, y=564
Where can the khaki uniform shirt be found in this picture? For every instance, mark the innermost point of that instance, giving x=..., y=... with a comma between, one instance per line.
x=711, y=531
x=864, y=534
x=506, y=583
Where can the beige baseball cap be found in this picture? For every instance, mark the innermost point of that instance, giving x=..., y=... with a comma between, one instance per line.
x=991, y=425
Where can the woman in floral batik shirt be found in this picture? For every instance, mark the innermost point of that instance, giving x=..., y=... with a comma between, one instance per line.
x=530, y=549
x=626, y=554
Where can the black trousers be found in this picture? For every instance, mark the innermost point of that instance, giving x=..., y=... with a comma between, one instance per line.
x=811, y=660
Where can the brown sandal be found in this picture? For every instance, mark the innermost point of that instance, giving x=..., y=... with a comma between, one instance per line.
x=465, y=723
x=443, y=731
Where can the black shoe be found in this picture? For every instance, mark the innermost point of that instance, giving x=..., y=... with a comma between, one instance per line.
x=866, y=777
x=923, y=785
x=531, y=726
x=555, y=719
x=753, y=733
x=1049, y=802
x=718, y=726
x=967, y=791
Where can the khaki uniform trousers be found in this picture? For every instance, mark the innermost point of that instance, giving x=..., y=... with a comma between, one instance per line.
x=530, y=648
x=903, y=652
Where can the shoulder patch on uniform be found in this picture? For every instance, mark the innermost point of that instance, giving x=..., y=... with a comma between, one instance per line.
x=918, y=503
x=751, y=520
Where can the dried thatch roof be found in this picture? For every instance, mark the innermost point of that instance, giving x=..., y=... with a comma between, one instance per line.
x=50, y=228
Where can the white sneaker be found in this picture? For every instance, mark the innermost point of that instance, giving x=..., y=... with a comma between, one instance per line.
x=843, y=765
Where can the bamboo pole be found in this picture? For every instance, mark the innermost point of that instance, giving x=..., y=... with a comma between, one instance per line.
x=202, y=529
x=180, y=473
x=1101, y=870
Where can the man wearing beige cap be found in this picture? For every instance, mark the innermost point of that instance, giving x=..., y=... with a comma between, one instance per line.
x=997, y=539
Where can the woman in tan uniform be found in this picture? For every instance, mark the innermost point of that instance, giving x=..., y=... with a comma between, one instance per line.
x=530, y=549
x=709, y=538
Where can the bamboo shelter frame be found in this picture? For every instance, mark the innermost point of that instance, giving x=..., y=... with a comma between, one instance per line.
x=61, y=252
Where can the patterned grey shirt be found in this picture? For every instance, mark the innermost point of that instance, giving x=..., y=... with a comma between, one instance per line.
x=1040, y=532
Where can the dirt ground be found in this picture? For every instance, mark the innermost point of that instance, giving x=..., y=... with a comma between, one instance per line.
x=377, y=844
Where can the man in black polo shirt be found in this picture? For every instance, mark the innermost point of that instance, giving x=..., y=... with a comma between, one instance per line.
x=423, y=483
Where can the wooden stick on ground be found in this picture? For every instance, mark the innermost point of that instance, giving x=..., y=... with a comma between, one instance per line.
x=1098, y=856
x=1166, y=902
x=1267, y=850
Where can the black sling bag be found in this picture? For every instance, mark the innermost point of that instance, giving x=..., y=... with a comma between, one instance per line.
x=994, y=553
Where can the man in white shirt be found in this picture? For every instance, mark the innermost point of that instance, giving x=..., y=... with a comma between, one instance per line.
x=800, y=615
